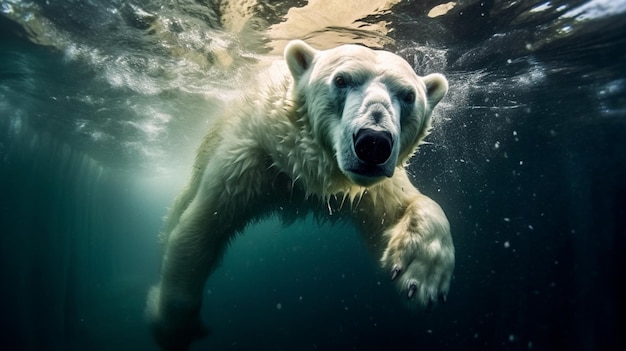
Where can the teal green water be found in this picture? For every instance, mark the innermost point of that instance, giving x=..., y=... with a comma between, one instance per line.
x=102, y=105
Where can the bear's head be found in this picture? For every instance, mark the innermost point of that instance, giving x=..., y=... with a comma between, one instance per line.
x=366, y=107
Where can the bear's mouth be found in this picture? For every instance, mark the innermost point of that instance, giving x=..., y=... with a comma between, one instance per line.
x=368, y=175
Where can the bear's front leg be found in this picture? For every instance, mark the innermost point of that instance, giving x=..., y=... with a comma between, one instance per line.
x=174, y=304
x=192, y=252
x=224, y=200
x=420, y=252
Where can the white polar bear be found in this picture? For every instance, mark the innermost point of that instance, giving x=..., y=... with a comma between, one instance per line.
x=331, y=138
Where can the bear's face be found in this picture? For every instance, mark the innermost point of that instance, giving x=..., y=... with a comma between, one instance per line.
x=367, y=107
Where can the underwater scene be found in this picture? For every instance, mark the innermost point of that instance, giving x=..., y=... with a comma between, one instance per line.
x=103, y=104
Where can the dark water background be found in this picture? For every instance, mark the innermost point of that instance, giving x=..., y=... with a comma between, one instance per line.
x=103, y=102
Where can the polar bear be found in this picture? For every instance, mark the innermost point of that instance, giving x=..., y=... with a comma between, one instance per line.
x=331, y=138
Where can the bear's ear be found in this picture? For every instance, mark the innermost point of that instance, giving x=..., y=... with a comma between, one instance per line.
x=299, y=56
x=436, y=88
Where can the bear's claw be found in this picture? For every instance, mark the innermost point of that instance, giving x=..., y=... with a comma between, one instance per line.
x=412, y=289
x=395, y=272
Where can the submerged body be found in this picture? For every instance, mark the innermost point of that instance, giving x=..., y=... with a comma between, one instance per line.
x=331, y=138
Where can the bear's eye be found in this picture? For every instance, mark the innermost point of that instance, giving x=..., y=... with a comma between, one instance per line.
x=340, y=81
x=409, y=97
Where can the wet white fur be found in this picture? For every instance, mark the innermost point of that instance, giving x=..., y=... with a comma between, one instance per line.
x=286, y=146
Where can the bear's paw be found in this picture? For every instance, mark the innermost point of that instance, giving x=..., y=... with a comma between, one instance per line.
x=420, y=255
x=176, y=331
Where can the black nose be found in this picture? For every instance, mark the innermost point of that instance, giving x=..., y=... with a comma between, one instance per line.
x=372, y=147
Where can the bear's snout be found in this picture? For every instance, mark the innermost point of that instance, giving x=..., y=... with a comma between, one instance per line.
x=373, y=147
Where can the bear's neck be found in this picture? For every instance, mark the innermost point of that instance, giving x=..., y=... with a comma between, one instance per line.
x=296, y=152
